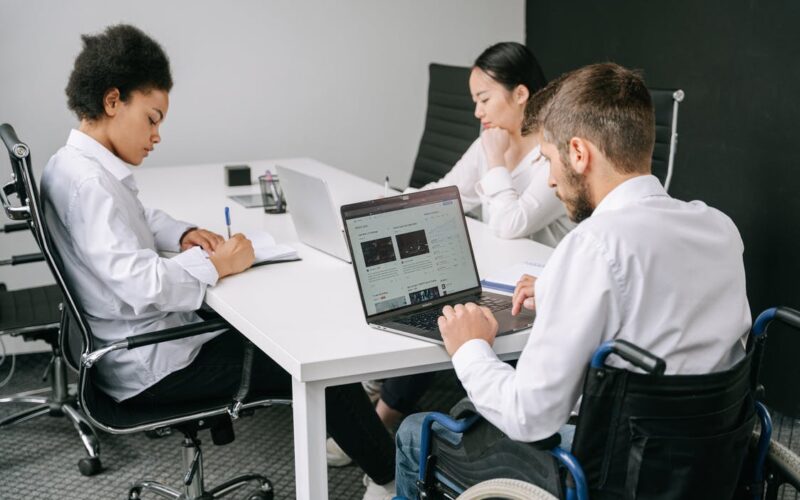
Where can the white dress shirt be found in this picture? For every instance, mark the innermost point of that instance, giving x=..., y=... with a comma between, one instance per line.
x=664, y=274
x=515, y=203
x=109, y=242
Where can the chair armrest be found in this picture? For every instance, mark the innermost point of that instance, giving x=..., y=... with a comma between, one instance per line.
x=156, y=337
x=179, y=332
x=22, y=259
x=631, y=353
x=10, y=228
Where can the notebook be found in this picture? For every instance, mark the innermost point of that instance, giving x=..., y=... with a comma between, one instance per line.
x=268, y=251
x=412, y=255
x=313, y=212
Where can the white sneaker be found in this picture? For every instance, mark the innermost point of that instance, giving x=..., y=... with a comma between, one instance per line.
x=378, y=491
x=373, y=389
x=335, y=455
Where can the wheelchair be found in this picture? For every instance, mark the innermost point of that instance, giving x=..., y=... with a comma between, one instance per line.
x=639, y=436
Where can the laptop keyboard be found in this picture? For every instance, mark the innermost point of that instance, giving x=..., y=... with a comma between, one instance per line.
x=428, y=319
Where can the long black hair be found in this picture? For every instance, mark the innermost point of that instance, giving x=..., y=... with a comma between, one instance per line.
x=511, y=64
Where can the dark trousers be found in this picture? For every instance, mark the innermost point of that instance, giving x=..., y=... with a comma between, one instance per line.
x=403, y=393
x=217, y=370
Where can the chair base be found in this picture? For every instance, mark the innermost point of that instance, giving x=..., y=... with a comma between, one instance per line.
x=61, y=401
x=265, y=489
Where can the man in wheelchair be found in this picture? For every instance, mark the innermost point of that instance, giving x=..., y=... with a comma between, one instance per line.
x=663, y=274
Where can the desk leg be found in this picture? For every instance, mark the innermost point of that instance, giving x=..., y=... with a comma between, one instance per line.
x=311, y=468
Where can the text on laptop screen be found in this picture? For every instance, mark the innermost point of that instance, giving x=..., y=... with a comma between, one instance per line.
x=412, y=255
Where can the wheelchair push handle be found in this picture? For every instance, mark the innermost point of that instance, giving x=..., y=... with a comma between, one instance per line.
x=784, y=314
x=631, y=353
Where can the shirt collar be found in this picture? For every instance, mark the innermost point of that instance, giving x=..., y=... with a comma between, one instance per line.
x=90, y=147
x=632, y=190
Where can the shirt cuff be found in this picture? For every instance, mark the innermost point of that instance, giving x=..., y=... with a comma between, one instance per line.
x=496, y=180
x=170, y=240
x=469, y=353
x=196, y=262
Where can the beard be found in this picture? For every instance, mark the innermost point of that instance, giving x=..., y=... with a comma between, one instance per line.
x=578, y=203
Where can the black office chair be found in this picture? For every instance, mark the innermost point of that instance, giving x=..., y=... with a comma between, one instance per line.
x=450, y=124
x=34, y=314
x=665, y=102
x=101, y=410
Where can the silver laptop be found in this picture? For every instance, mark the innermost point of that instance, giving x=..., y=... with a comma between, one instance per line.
x=412, y=255
x=311, y=207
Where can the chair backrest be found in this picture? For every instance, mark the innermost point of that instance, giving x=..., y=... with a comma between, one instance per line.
x=76, y=337
x=640, y=435
x=665, y=102
x=450, y=124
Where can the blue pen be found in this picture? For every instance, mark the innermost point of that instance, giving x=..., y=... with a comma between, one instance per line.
x=228, y=220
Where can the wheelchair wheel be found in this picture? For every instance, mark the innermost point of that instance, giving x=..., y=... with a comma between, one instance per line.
x=509, y=489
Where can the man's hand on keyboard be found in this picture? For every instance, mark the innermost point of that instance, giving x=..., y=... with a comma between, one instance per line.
x=463, y=323
x=523, y=294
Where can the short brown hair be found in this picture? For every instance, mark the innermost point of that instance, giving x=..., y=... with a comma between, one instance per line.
x=535, y=108
x=610, y=106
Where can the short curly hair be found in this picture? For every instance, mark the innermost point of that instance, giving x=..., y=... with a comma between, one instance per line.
x=121, y=57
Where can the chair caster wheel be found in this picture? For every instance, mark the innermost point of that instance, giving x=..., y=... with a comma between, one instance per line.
x=261, y=495
x=89, y=466
x=266, y=493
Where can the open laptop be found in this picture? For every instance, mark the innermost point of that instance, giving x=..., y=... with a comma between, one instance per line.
x=412, y=255
x=313, y=212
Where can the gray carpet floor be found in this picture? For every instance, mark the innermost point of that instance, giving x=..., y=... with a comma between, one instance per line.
x=38, y=458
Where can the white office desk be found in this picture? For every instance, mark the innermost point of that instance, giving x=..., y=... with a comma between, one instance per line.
x=307, y=315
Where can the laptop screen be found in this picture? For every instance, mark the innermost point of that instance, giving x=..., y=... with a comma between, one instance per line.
x=410, y=249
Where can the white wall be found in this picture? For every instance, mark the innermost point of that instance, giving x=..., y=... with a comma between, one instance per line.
x=341, y=81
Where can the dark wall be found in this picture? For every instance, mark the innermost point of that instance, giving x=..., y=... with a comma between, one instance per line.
x=738, y=135
x=739, y=139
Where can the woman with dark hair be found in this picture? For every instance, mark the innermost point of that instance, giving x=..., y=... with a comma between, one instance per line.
x=109, y=243
x=503, y=171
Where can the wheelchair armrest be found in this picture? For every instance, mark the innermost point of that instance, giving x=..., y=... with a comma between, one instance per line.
x=449, y=423
x=631, y=353
x=156, y=337
x=463, y=409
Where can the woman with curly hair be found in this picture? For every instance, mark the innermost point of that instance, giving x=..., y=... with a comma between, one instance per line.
x=109, y=243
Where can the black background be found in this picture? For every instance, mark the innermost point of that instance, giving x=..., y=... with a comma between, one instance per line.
x=738, y=133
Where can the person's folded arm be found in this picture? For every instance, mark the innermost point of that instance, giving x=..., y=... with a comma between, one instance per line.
x=517, y=214
x=465, y=174
x=577, y=306
x=102, y=236
x=166, y=230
